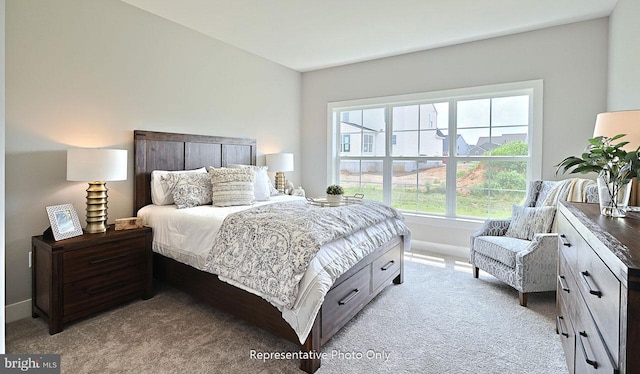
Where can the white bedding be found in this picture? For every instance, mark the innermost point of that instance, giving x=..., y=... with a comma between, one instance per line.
x=186, y=235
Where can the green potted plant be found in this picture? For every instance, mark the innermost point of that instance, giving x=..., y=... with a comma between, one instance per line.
x=615, y=167
x=334, y=194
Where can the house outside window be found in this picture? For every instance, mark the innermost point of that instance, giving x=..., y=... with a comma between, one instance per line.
x=404, y=159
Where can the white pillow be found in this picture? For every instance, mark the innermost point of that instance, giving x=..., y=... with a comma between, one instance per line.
x=232, y=186
x=261, y=188
x=162, y=190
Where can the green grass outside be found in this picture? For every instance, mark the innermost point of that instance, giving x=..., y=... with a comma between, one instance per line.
x=474, y=204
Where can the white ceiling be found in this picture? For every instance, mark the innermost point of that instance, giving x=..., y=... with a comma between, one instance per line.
x=314, y=34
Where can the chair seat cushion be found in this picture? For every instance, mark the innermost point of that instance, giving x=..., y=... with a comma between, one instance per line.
x=501, y=248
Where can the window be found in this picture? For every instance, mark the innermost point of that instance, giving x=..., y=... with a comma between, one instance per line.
x=458, y=153
x=367, y=143
x=345, y=146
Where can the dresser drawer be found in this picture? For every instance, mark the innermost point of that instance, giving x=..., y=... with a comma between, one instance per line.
x=343, y=301
x=592, y=355
x=96, y=293
x=385, y=266
x=564, y=326
x=568, y=241
x=103, y=258
x=567, y=289
x=601, y=292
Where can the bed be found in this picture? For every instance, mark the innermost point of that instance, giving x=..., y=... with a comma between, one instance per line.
x=350, y=292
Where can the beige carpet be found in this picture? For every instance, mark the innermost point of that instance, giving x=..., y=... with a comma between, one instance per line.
x=440, y=320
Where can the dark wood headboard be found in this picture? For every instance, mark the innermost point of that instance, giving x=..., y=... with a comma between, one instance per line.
x=169, y=151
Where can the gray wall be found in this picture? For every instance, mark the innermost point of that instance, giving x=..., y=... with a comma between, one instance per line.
x=571, y=59
x=2, y=198
x=87, y=73
x=624, y=56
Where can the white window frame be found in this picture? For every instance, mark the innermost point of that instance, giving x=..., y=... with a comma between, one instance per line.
x=532, y=87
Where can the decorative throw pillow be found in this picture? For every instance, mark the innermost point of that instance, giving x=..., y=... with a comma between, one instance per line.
x=261, y=190
x=232, y=186
x=190, y=190
x=528, y=221
x=161, y=190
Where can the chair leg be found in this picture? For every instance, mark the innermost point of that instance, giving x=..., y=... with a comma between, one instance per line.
x=476, y=271
x=523, y=298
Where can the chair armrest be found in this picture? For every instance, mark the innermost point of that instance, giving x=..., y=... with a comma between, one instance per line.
x=536, y=266
x=543, y=246
x=493, y=227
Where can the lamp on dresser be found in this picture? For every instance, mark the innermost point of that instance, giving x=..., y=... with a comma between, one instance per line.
x=96, y=166
x=626, y=122
x=280, y=162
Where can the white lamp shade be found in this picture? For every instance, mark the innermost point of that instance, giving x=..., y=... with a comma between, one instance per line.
x=280, y=162
x=94, y=164
x=625, y=122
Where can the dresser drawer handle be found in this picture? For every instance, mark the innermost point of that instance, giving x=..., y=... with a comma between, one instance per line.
x=584, y=351
x=388, y=265
x=349, y=297
x=586, y=274
x=564, y=242
x=559, y=320
x=562, y=285
x=106, y=288
x=107, y=259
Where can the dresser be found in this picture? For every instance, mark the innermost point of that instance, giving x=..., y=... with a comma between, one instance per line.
x=76, y=277
x=598, y=294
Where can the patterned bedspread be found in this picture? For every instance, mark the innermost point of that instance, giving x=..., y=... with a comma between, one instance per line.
x=269, y=248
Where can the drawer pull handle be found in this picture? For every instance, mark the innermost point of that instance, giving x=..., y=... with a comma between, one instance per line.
x=107, y=259
x=584, y=351
x=106, y=288
x=562, y=285
x=559, y=320
x=349, y=297
x=388, y=265
x=564, y=242
x=586, y=274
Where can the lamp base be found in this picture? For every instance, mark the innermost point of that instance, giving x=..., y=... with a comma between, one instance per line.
x=96, y=208
x=280, y=181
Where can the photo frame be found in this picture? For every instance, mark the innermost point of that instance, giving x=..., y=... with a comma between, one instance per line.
x=64, y=221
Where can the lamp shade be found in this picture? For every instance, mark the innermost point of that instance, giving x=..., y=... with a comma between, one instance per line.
x=626, y=122
x=96, y=164
x=280, y=162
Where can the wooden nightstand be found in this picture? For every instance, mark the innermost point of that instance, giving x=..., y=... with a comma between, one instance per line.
x=79, y=276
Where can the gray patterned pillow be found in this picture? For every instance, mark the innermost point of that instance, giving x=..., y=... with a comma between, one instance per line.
x=232, y=186
x=528, y=221
x=190, y=190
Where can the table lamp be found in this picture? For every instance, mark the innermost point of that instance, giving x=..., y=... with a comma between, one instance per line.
x=627, y=122
x=280, y=162
x=96, y=166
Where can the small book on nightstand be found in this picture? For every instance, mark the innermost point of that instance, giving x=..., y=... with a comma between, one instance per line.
x=128, y=223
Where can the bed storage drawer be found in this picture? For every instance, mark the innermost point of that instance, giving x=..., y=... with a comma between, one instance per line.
x=345, y=300
x=385, y=266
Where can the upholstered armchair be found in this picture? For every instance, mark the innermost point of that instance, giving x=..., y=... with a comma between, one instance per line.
x=513, y=251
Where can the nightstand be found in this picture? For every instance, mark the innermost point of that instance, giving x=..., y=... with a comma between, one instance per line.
x=75, y=277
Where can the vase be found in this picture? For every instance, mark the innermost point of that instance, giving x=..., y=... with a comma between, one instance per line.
x=613, y=196
x=334, y=200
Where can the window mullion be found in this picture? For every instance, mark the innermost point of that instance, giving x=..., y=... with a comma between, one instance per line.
x=451, y=161
x=387, y=164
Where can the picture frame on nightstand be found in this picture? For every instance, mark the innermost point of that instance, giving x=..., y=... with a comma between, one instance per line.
x=64, y=221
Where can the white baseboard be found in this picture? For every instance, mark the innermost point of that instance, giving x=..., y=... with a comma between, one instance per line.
x=17, y=311
x=441, y=249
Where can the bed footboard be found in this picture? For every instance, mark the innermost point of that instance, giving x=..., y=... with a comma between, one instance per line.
x=350, y=294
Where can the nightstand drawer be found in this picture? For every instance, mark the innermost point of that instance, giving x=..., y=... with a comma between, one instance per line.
x=103, y=258
x=96, y=293
x=385, y=266
x=601, y=292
